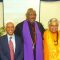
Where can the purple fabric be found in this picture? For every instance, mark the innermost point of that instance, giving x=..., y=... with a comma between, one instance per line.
x=28, y=50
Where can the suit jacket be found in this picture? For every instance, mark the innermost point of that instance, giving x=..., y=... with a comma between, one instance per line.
x=4, y=48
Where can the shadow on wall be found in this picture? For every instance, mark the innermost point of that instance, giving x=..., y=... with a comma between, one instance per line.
x=1, y=0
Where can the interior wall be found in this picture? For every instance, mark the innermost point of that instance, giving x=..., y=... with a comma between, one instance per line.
x=1, y=14
x=49, y=10
x=16, y=9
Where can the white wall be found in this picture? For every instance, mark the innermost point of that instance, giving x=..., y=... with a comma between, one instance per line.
x=16, y=9
x=1, y=14
x=49, y=10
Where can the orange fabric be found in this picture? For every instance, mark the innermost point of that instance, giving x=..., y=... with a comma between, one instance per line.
x=51, y=51
x=46, y=51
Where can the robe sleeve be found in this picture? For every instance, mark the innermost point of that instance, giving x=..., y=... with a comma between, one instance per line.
x=46, y=51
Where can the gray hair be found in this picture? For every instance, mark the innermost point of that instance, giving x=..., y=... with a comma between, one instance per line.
x=53, y=20
x=9, y=21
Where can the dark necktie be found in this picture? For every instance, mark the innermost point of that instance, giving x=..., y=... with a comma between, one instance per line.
x=11, y=49
x=33, y=34
x=34, y=40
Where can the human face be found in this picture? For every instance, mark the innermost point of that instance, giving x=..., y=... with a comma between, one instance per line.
x=31, y=17
x=53, y=27
x=10, y=28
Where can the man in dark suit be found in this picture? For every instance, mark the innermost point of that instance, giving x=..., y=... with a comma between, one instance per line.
x=31, y=32
x=11, y=46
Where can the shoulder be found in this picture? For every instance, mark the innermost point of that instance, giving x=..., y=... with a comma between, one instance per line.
x=41, y=28
x=38, y=23
x=19, y=24
x=46, y=32
x=18, y=38
x=3, y=37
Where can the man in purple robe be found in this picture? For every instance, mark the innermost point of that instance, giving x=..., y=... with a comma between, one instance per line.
x=31, y=33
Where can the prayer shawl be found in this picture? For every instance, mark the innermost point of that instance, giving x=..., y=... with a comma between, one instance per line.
x=28, y=45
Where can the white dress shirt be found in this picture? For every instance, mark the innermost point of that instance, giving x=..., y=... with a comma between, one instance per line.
x=13, y=40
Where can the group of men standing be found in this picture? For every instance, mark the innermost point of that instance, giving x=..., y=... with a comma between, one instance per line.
x=29, y=40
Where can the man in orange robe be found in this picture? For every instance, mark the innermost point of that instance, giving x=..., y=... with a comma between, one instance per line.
x=52, y=41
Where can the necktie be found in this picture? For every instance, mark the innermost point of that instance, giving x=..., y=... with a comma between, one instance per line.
x=11, y=49
x=33, y=34
x=34, y=40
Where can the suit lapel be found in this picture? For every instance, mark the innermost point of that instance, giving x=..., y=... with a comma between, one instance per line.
x=16, y=46
x=6, y=45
